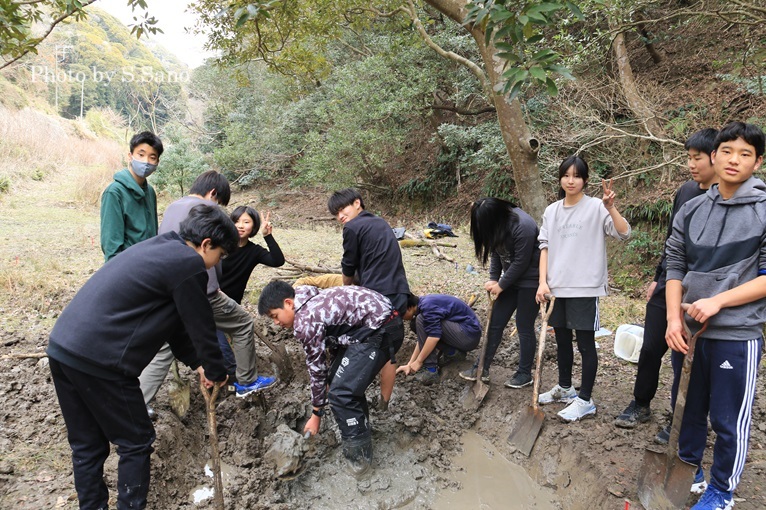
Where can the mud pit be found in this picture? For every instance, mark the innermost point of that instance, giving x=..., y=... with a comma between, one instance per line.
x=417, y=442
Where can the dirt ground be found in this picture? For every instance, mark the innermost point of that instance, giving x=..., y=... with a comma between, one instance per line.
x=51, y=248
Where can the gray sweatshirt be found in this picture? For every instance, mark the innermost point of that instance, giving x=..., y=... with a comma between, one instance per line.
x=575, y=237
x=717, y=245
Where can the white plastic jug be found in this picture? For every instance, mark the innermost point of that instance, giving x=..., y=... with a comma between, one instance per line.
x=628, y=341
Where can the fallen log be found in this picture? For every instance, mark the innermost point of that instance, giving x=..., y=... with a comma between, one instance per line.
x=314, y=269
x=409, y=243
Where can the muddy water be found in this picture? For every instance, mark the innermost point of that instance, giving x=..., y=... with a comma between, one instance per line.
x=488, y=481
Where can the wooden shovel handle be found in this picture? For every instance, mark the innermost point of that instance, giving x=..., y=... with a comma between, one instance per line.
x=683, y=386
x=545, y=313
x=212, y=425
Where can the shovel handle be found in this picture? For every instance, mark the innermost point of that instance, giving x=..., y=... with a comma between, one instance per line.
x=545, y=313
x=683, y=386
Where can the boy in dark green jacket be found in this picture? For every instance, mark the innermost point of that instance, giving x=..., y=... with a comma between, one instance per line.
x=129, y=204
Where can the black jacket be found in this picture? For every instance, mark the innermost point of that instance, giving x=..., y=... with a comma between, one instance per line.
x=154, y=292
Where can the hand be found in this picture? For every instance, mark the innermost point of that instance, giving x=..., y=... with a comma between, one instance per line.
x=542, y=290
x=609, y=194
x=204, y=380
x=488, y=285
x=675, y=336
x=702, y=309
x=266, y=228
x=494, y=290
x=410, y=368
x=312, y=426
x=650, y=290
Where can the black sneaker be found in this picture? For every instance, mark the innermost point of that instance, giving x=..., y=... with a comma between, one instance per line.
x=663, y=436
x=427, y=377
x=470, y=375
x=632, y=415
x=519, y=380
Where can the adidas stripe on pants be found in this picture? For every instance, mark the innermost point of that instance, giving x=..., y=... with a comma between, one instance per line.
x=723, y=385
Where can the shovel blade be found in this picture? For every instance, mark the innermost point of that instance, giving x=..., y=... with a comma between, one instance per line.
x=664, y=483
x=474, y=395
x=527, y=429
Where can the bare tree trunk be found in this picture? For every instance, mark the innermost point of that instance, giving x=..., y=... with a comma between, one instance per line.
x=637, y=104
x=521, y=145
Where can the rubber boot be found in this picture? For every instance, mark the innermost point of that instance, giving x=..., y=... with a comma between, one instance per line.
x=358, y=453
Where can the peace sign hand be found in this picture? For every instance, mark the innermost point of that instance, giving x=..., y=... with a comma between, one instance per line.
x=609, y=194
x=266, y=229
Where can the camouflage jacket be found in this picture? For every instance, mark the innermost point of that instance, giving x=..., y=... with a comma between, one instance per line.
x=333, y=317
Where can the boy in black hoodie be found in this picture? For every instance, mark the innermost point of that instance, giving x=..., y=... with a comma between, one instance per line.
x=716, y=262
x=152, y=293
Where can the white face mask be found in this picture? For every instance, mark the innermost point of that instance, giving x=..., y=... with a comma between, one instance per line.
x=142, y=169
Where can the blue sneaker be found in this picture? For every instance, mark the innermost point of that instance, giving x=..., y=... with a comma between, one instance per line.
x=699, y=485
x=261, y=383
x=713, y=499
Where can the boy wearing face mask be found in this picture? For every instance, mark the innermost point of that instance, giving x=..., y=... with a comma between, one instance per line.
x=129, y=204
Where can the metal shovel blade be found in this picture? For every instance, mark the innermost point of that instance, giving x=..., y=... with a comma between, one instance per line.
x=527, y=429
x=178, y=393
x=474, y=395
x=663, y=483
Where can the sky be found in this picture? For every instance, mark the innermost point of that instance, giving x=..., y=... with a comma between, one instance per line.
x=172, y=17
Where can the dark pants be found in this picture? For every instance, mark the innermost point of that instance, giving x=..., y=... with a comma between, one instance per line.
x=229, y=361
x=452, y=336
x=353, y=370
x=97, y=412
x=650, y=359
x=586, y=344
x=522, y=301
x=722, y=385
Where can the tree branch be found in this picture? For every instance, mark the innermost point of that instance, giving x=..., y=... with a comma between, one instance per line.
x=463, y=111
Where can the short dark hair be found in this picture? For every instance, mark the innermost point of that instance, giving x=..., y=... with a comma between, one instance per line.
x=581, y=167
x=209, y=222
x=237, y=213
x=209, y=181
x=343, y=198
x=148, y=138
x=750, y=133
x=702, y=141
x=273, y=296
x=492, y=220
x=412, y=300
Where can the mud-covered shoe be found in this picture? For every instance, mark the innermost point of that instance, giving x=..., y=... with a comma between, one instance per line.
x=470, y=375
x=427, y=376
x=557, y=394
x=449, y=356
x=518, y=380
x=700, y=485
x=577, y=410
x=663, y=436
x=261, y=383
x=713, y=499
x=152, y=413
x=632, y=415
x=358, y=456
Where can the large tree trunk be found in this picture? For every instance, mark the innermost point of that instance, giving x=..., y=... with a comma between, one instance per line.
x=522, y=147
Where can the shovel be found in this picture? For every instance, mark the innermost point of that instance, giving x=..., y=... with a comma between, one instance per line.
x=664, y=479
x=528, y=425
x=278, y=356
x=473, y=397
x=210, y=398
x=178, y=392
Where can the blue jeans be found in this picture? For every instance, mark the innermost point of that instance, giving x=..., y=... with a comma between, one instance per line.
x=96, y=412
x=229, y=361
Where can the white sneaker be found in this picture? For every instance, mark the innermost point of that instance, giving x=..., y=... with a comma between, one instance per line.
x=577, y=410
x=557, y=394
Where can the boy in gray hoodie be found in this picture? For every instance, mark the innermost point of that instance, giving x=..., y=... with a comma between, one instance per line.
x=716, y=261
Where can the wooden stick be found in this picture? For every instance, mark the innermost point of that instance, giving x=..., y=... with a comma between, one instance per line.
x=24, y=355
x=212, y=426
x=409, y=243
x=439, y=254
x=314, y=269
